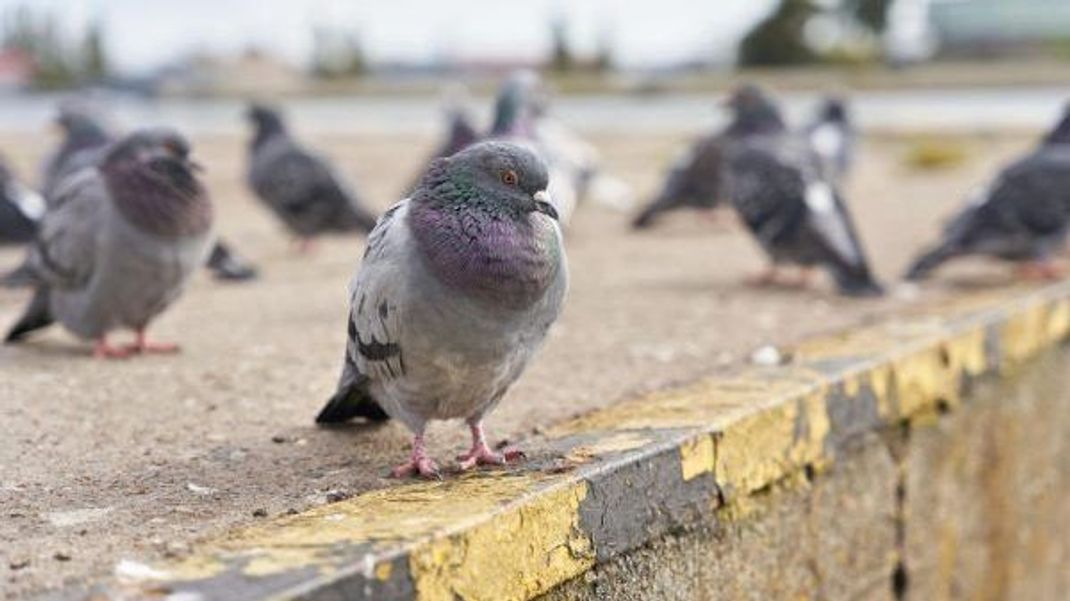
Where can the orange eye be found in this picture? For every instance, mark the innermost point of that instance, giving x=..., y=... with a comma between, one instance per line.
x=509, y=177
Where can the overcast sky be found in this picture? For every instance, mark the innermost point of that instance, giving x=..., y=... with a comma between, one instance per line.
x=145, y=33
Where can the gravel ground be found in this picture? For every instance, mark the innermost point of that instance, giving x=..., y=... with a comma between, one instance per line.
x=107, y=460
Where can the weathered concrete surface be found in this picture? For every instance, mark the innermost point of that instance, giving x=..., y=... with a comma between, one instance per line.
x=986, y=507
x=968, y=504
x=829, y=538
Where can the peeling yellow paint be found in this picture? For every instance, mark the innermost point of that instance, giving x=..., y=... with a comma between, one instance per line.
x=408, y=512
x=527, y=549
x=696, y=456
x=1027, y=332
x=383, y=571
x=763, y=447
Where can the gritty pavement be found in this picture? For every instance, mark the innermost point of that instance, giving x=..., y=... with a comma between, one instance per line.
x=101, y=461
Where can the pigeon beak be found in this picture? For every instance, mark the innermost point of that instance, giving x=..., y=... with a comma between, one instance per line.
x=195, y=166
x=544, y=205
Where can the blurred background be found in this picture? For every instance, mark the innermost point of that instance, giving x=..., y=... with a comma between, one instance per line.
x=181, y=61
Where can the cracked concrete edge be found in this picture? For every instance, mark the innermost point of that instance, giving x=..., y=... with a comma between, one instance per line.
x=615, y=479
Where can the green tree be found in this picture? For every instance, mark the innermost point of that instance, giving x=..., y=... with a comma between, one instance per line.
x=778, y=39
x=561, y=58
x=873, y=14
x=95, y=67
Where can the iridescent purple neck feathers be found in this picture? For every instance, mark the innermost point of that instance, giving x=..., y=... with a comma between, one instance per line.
x=161, y=198
x=504, y=258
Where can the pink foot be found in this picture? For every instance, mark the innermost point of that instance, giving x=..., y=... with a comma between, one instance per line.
x=764, y=279
x=419, y=464
x=143, y=345
x=482, y=455
x=103, y=350
x=423, y=467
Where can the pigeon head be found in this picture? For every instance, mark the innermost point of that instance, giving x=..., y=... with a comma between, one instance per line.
x=753, y=112
x=266, y=119
x=80, y=126
x=1060, y=134
x=473, y=217
x=518, y=104
x=497, y=177
x=151, y=178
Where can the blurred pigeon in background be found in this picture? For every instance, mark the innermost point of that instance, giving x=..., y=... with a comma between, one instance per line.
x=461, y=131
x=777, y=185
x=833, y=137
x=301, y=188
x=1022, y=216
x=517, y=108
x=86, y=141
x=20, y=209
x=119, y=243
x=458, y=286
x=694, y=180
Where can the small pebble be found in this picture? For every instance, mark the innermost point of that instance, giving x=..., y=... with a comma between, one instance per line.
x=61, y=556
x=278, y=439
x=18, y=564
x=260, y=513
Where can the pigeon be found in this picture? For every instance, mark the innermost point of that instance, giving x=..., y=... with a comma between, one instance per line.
x=461, y=133
x=301, y=188
x=694, y=180
x=778, y=188
x=85, y=139
x=458, y=287
x=119, y=243
x=518, y=108
x=20, y=209
x=832, y=137
x=1022, y=216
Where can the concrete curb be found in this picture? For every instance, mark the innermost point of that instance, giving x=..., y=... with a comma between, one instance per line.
x=611, y=481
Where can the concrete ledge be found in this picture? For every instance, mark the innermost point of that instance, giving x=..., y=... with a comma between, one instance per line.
x=612, y=481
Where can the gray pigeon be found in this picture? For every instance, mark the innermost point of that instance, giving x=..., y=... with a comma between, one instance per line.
x=833, y=137
x=301, y=188
x=20, y=209
x=119, y=243
x=85, y=139
x=458, y=287
x=694, y=180
x=1021, y=217
x=777, y=185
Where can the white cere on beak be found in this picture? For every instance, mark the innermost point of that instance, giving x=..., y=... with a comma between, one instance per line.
x=543, y=196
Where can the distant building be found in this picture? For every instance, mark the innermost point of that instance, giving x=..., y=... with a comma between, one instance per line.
x=999, y=27
x=252, y=72
x=17, y=69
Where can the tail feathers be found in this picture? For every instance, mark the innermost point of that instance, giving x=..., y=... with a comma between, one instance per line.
x=22, y=276
x=928, y=261
x=350, y=401
x=858, y=283
x=659, y=205
x=36, y=316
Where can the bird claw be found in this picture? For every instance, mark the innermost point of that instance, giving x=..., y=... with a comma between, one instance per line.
x=482, y=455
x=423, y=467
x=103, y=350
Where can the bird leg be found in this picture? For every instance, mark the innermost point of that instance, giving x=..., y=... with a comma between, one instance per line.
x=766, y=278
x=419, y=464
x=481, y=454
x=103, y=350
x=803, y=277
x=1039, y=270
x=305, y=246
x=143, y=345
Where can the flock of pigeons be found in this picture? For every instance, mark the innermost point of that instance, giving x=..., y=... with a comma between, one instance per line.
x=461, y=280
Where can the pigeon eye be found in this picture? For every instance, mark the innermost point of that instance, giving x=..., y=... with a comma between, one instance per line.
x=509, y=177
